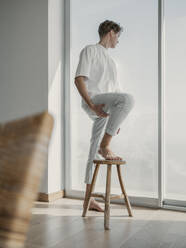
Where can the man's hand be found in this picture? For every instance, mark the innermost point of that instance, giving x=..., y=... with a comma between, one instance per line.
x=98, y=110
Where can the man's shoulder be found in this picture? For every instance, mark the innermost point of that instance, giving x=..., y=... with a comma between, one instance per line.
x=90, y=49
x=91, y=46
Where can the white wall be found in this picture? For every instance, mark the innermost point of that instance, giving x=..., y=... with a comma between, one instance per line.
x=23, y=58
x=31, y=69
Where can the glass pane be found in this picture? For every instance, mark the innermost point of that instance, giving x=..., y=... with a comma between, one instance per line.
x=175, y=101
x=136, y=57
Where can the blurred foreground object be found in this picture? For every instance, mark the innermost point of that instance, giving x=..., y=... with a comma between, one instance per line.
x=23, y=158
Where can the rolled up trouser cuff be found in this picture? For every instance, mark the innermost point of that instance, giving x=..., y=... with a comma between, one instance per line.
x=111, y=131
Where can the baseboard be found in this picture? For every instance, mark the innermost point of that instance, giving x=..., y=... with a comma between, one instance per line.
x=51, y=196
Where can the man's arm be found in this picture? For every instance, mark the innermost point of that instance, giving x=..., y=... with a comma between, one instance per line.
x=80, y=84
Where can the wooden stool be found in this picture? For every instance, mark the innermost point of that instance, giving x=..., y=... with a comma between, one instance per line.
x=107, y=196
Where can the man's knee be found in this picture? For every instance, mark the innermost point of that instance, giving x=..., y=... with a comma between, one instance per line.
x=128, y=99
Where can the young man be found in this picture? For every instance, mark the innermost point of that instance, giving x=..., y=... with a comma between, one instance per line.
x=102, y=96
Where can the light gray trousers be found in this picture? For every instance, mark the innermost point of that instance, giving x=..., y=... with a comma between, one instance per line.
x=118, y=105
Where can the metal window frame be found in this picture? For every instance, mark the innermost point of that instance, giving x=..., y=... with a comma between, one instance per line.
x=159, y=202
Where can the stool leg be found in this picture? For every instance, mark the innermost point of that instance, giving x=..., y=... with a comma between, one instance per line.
x=87, y=200
x=107, y=198
x=123, y=190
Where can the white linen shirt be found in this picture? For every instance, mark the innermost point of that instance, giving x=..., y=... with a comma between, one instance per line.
x=99, y=70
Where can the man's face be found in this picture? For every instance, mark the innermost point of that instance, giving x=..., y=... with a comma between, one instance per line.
x=113, y=39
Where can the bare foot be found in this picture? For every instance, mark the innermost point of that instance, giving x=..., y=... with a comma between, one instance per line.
x=108, y=154
x=95, y=206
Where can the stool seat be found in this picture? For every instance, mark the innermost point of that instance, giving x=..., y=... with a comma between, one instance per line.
x=109, y=161
x=107, y=196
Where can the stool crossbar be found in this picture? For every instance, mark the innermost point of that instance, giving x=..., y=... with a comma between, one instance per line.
x=107, y=196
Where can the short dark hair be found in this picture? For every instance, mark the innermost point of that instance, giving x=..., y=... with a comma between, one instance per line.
x=107, y=26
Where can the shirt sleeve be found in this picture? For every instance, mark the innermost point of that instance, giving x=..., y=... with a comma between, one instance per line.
x=84, y=65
